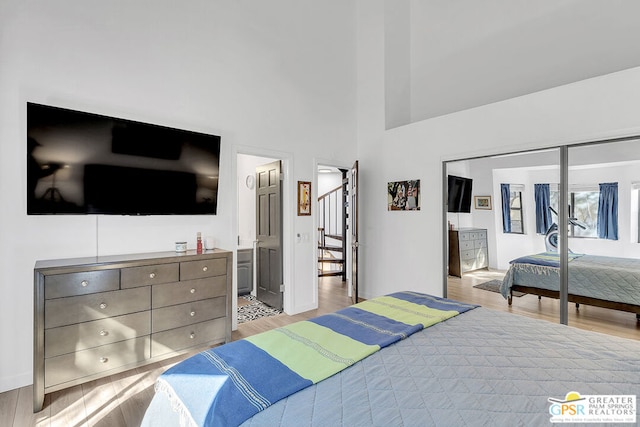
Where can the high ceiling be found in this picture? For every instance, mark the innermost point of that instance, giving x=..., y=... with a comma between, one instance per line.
x=467, y=53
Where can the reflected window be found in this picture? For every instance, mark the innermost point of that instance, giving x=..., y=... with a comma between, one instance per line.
x=512, y=210
x=583, y=206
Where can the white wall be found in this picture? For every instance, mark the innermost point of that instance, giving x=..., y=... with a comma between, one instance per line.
x=276, y=75
x=328, y=182
x=465, y=54
x=404, y=250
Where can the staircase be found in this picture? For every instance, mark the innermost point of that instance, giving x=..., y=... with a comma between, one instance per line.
x=330, y=256
x=332, y=232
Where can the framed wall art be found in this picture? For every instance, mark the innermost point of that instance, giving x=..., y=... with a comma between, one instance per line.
x=403, y=195
x=482, y=202
x=304, y=198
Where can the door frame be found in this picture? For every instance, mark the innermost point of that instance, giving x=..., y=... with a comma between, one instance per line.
x=288, y=206
x=317, y=162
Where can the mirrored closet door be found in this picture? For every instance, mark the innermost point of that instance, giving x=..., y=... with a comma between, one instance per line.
x=492, y=239
x=604, y=249
x=551, y=234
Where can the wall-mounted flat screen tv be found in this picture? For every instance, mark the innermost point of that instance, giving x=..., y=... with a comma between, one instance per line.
x=85, y=163
x=459, y=194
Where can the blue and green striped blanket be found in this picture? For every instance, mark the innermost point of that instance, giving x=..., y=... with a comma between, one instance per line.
x=226, y=385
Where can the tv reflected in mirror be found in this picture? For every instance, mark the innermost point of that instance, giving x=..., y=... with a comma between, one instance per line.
x=85, y=163
x=459, y=194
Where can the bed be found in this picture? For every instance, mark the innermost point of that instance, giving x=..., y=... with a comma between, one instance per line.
x=476, y=367
x=593, y=280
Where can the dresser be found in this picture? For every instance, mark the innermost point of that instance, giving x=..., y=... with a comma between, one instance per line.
x=467, y=250
x=97, y=316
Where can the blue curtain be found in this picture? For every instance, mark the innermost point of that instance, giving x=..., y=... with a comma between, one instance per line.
x=608, y=211
x=543, y=214
x=506, y=208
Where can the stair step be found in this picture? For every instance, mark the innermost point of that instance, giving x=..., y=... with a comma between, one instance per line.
x=330, y=248
x=332, y=260
x=334, y=236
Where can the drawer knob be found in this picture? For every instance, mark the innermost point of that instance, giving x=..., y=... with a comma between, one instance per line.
x=193, y=313
x=104, y=333
x=205, y=268
x=192, y=335
x=152, y=275
x=84, y=283
x=193, y=290
x=103, y=305
x=104, y=359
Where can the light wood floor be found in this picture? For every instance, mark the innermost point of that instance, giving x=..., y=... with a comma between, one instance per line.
x=121, y=400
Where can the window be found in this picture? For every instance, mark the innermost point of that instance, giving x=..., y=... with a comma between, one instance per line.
x=515, y=203
x=512, y=208
x=583, y=206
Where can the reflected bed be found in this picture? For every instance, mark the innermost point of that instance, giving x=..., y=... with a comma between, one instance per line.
x=600, y=281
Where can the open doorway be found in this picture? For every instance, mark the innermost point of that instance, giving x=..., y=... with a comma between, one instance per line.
x=332, y=222
x=335, y=215
x=260, y=237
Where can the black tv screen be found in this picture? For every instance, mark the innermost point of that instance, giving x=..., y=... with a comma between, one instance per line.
x=459, y=194
x=85, y=163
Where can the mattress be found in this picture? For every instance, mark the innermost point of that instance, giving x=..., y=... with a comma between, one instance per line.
x=605, y=278
x=479, y=368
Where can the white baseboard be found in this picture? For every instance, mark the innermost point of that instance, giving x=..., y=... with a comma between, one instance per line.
x=15, y=381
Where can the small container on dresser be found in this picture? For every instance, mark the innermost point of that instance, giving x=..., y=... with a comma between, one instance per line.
x=94, y=317
x=467, y=250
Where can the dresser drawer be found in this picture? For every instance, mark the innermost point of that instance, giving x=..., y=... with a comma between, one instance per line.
x=468, y=254
x=67, y=339
x=479, y=260
x=189, y=313
x=482, y=258
x=67, y=311
x=149, y=275
x=187, y=336
x=187, y=291
x=82, y=283
x=466, y=245
x=80, y=364
x=467, y=264
x=203, y=268
x=480, y=244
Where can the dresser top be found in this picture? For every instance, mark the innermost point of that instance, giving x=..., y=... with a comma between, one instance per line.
x=469, y=229
x=131, y=259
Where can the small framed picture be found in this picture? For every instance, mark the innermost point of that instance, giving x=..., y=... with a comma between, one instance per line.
x=482, y=202
x=304, y=198
x=403, y=195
